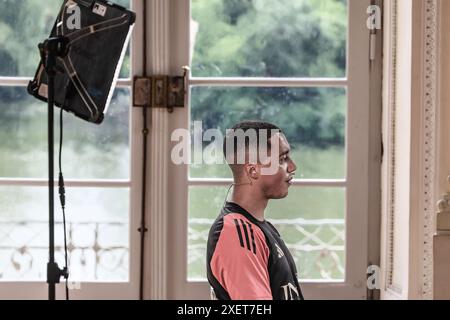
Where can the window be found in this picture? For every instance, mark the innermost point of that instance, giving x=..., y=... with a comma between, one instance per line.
x=299, y=65
x=97, y=164
x=269, y=39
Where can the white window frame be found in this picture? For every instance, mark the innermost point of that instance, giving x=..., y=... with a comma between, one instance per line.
x=97, y=289
x=359, y=168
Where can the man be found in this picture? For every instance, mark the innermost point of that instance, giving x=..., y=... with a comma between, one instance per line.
x=246, y=257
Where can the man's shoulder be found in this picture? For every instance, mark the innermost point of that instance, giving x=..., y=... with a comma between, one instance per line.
x=232, y=220
x=229, y=219
x=234, y=234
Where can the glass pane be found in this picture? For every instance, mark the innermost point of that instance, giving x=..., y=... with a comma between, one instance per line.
x=24, y=24
x=311, y=222
x=313, y=119
x=98, y=233
x=90, y=151
x=266, y=38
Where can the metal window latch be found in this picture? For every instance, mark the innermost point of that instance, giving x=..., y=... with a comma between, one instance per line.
x=443, y=215
x=167, y=92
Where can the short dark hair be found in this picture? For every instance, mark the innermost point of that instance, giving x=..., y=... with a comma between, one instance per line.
x=255, y=125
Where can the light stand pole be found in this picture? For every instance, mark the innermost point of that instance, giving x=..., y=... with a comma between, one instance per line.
x=50, y=50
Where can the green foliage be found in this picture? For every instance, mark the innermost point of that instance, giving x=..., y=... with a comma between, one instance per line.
x=308, y=116
x=262, y=38
x=312, y=163
x=295, y=38
x=24, y=24
x=245, y=38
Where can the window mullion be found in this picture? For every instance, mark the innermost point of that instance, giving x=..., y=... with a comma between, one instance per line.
x=23, y=82
x=299, y=182
x=270, y=82
x=68, y=183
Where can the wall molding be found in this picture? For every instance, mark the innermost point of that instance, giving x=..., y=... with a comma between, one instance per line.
x=391, y=139
x=428, y=154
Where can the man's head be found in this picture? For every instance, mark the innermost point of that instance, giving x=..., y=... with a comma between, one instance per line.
x=258, y=154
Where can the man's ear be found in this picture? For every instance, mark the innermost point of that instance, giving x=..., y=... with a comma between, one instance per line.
x=252, y=171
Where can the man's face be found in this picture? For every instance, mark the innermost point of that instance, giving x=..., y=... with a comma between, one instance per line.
x=276, y=185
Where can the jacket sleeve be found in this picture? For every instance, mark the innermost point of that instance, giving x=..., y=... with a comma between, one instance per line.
x=240, y=260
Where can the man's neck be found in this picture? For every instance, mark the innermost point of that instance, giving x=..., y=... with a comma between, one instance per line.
x=254, y=204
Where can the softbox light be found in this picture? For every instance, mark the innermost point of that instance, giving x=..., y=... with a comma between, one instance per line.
x=87, y=75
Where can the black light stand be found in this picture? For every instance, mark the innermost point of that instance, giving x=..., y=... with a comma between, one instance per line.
x=50, y=50
x=78, y=75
